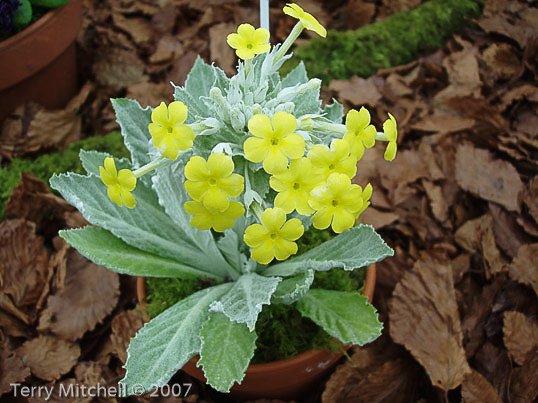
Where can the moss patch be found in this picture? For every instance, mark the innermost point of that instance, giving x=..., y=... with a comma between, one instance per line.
x=45, y=166
x=396, y=40
x=282, y=331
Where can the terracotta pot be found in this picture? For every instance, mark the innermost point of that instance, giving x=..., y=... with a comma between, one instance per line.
x=39, y=63
x=285, y=379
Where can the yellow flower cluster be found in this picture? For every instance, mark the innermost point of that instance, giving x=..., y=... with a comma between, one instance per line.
x=317, y=185
x=210, y=183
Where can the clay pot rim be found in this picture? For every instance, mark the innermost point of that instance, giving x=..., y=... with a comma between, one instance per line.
x=29, y=30
x=369, y=286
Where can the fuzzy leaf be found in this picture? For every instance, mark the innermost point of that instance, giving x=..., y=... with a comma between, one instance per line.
x=293, y=289
x=256, y=185
x=145, y=227
x=103, y=248
x=92, y=160
x=229, y=245
x=335, y=111
x=168, y=184
x=345, y=315
x=357, y=247
x=297, y=76
x=166, y=343
x=134, y=121
x=227, y=348
x=244, y=301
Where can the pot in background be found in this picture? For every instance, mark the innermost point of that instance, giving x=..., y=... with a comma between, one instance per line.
x=39, y=63
x=292, y=378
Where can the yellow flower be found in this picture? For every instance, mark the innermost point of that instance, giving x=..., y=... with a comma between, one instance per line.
x=275, y=237
x=294, y=186
x=249, y=42
x=119, y=184
x=360, y=133
x=336, y=159
x=337, y=203
x=168, y=131
x=204, y=218
x=308, y=20
x=391, y=131
x=212, y=182
x=365, y=196
x=274, y=141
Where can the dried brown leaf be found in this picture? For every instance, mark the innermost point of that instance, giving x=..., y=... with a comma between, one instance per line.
x=520, y=336
x=477, y=236
x=503, y=61
x=495, y=365
x=475, y=318
x=150, y=94
x=90, y=294
x=359, y=13
x=219, y=49
x=524, y=388
x=48, y=357
x=12, y=370
x=443, y=124
x=124, y=327
x=139, y=29
x=437, y=200
x=378, y=218
x=119, y=68
x=477, y=389
x=530, y=198
x=523, y=267
x=424, y=318
x=488, y=178
x=24, y=263
x=168, y=50
x=357, y=91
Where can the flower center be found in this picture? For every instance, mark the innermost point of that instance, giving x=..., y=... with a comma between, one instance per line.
x=249, y=46
x=296, y=186
x=334, y=203
x=212, y=181
x=274, y=141
x=331, y=167
x=274, y=236
x=170, y=129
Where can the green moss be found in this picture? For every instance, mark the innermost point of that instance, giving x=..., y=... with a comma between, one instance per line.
x=45, y=166
x=282, y=331
x=396, y=40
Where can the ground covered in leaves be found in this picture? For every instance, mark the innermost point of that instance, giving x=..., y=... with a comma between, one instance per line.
x=459, y=205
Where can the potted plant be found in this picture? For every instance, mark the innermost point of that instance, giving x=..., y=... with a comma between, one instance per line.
x=39, y=56
x=221, y=185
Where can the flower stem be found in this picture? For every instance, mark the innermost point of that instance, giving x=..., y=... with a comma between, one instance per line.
x=294, y=34
x=381, y=136
x=257, y=210
x=331, y=127
x=148, y=167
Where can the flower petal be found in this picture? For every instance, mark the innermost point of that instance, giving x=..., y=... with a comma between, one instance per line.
x=260, y=126
x=286, y=201
x=342, y=220
x=275, y=162
x=292, y=146
x=390, y=152
x=255, y=149
x=127, y=179
x=292, y=230
x=110, y=166
x=159, y=115
x=220, y=165
x=215, y=200
x=236, y=41
x=196, y=169
x=177, y=112
x=322, y=218
x=338, y=184
x=232, y=185
x=273, y=219
x=255, y=235
x=196, y=189
x=283, y=248
x=263, y=254
x=235, y=210
x=114, y=194
x=368, y=136
x=246, y=31
x=127, y=198
x=284, y=123
x=261, y=35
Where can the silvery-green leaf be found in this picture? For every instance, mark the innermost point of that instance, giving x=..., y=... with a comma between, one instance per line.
x=92, y=160
x=200, y=79
x=297, y=76
x=230, y=245
x=345, y=315
x=145, y=227
x=166, y=343
x=307, y=103
x=256, y=185
x=335, y=111
x=195, y=106
x=227, y=348
x=134, y=121
x=244, y=301
x=293, y=289
x=168, y=184
x=357, y=247
x=103, y=248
